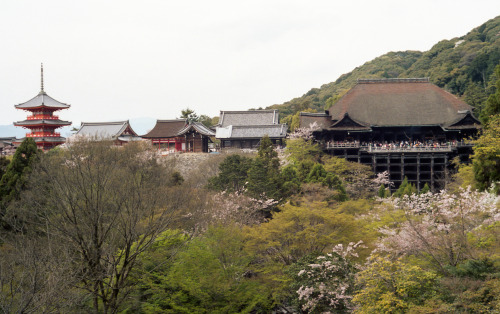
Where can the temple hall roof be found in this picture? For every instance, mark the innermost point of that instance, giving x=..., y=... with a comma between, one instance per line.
x=166, y=128
x=110, y=130
x=399, y=102
x=250, y=117
x=198, y=127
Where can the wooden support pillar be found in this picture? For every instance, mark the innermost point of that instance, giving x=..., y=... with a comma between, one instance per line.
x=374, y=163
x=432, y=172
x=402, y=167
x=389, y=164
x=418, y=172
x=445, y=171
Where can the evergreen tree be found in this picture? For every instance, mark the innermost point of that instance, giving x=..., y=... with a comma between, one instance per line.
x=4, y=162
x=264, y=174
x=233, y=174
x=406, y=188
x=425, y=189
x=15, y=177
x=381, y=191
x=492, y=106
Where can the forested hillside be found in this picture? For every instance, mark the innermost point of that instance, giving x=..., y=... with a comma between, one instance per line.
x=464, y=66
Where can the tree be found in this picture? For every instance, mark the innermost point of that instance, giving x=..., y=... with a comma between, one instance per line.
x=211, y=276
x=492, y=106
x=327, y=281
x=264, y=174
x=393, y=287
x=16, y=174
x=190, y=115
x=486, y=157
x=441, y=228
x=4, y=162
x=107, y=206
x=233, y=174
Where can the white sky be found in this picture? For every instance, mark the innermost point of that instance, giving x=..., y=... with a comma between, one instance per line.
x=115, y=60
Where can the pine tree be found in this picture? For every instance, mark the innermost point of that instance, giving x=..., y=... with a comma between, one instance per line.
x=15, y=176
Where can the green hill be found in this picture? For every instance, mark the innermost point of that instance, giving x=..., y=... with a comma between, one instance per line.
x=463, y=66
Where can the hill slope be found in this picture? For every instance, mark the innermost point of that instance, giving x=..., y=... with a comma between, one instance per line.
x=464, y=66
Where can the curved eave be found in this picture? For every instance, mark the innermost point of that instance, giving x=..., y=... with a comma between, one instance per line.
x=40, y=101
x=43, y=139
x=58, y=123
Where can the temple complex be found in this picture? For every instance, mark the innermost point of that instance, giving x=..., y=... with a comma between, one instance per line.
x=42, y=122
x=408, y=127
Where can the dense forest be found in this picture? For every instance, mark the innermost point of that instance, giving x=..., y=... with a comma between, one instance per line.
x=92, y=227
x=463, y=66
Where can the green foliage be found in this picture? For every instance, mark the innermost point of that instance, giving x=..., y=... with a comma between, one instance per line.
x=405, y=188
x=16, y=174
x=210, y=275
x=264, y=174
x=381, y=191
x=297, y=231
x=4, y=162
x=486, y=157
x=190, y=115
x=299, y=150
x=233, y=174
x=425, y=189
x=318, y=174
x=492, y=106
x=393, y=287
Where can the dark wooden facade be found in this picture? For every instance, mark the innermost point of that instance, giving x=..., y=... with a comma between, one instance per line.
x=408, y=127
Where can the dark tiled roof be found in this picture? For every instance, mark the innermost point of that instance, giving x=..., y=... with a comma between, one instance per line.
x=105, y=129
x=252, y=131
x=399, y=102
x=323, y=120
x=42, y=100
x=166, y=128
x=251, y=117
x=42, y=121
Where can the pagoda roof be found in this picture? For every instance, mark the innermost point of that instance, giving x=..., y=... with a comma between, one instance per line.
x=166, y=128
x=250, y=117
x=42, y=100
x=42, y=122
x=111, y=130
x=46, y=139
x=398, y=102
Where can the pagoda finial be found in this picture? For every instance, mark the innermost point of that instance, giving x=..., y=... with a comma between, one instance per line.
x=41, y=79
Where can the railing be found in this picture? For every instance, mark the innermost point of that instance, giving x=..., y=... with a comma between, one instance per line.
x=43, y=117
x=378, y=147
x=43, y=134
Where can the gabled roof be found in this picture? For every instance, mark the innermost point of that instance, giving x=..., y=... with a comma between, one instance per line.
x=322, y=120
x=198, y=127
x=349, y=124
x=250, y=117
x=110, y=130
x=252, y=131
x=42, y=100
x=166, y=128
x=399, y=102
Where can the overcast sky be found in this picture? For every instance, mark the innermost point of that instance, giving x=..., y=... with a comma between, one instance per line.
x=116, y=60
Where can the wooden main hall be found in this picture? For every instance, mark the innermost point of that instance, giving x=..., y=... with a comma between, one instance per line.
x=408, y=127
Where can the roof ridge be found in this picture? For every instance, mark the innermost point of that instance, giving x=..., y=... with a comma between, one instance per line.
x=394, y=80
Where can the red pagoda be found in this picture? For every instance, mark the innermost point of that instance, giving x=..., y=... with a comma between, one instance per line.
x=42, y=122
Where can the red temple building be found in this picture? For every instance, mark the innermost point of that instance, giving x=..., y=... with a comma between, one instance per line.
x=42, y=122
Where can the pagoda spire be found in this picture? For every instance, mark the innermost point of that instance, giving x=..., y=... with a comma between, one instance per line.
x=41, y=80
